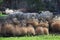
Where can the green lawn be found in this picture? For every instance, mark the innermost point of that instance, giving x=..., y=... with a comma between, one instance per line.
x=1, y=14
x=40, y=37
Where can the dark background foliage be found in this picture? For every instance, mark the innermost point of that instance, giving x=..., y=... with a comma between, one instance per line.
x=40, y=5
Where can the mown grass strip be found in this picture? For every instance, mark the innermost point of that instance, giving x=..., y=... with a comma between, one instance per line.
x=40, y=37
